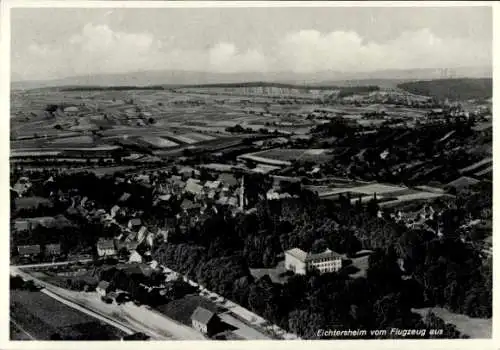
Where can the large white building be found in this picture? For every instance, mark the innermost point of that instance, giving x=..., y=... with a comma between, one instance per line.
x=300, y=262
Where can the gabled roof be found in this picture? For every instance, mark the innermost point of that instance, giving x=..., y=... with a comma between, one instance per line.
x=28, y=249
x=212, y=184
x=228, y=179
x=202, y=315
x=53, y=247
x=187, y=204
x=327, y=254
x=134, y=222
x=106, y=244
x=124, y=197
x=297, y=253
x=103, y=285
x=193, y=187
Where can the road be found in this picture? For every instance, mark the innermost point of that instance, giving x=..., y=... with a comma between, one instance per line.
x=60, y=263
x=127, y=317
x=252, y=319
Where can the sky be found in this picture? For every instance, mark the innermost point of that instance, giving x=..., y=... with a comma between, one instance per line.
x=63, y=42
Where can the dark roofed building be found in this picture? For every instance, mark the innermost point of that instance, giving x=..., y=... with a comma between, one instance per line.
x=53, y=249
x=134, y=223
x=228, y=179
x=189, y=205
x=29, y=250
x=204, y=321
x=106, y=247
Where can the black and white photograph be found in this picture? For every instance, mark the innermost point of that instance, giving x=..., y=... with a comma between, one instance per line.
x=237, y=171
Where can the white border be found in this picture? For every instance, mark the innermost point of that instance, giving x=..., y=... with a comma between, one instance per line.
x=6, y=5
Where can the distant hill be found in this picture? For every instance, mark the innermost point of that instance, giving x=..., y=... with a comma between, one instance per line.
x=389, y=78
x=452, y=89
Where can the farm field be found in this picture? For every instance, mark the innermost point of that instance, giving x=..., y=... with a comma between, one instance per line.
x=41, y=317
x=84, y=139
x=278, y=156
x=158, y=141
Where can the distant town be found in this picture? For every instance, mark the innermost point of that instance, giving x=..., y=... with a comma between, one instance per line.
x=251, y=211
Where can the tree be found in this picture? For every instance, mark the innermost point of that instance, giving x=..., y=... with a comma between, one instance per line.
x=319, y=246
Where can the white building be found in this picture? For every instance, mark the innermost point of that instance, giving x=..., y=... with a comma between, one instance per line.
x=300, y=262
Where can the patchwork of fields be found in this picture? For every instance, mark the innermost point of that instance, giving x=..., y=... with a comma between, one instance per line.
x=41, y=316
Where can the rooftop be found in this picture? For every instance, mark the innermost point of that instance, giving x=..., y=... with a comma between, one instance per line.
x=202, y=315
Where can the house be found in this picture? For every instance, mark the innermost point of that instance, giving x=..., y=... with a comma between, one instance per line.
x=204, y=321
x=228, y=179
x=272, y=195
x=103, y=288
x=300, y=262
x=124, y=197
x=189, y=206
x=28, y=251
x=150, y=238
x=211, y=194
x=22, y=225
x=162, y=233
x=135, y=257
x=53, y=249
x=22, y=186
x=143, y=178
x=106, y=247
x=83, y=201
x=232, y=201
x=131, y=237
x=134, y=223
x=164, y=197
x=141, y=234
x=188, y=171
x=193, y=186
x=212, y=185
x=114, y=211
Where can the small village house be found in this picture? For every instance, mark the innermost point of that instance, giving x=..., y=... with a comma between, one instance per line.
x=114, y=211
x=29, y=251
x=135, y=257
x=106, y=247
x=134, y=224
x=103, y=288
x=53, y=249
x=204, y=321
x=141, y=234
x=124, y=197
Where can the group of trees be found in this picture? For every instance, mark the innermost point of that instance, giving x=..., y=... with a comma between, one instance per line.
x=359, y=154
x=304, y=304
x=220, y=260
